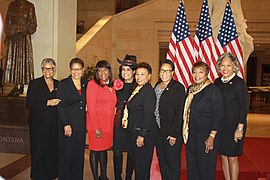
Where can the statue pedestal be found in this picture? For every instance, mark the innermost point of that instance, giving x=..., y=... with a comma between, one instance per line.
x=14, y=130
x=14, y=139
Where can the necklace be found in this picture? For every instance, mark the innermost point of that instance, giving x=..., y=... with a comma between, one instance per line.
x=226, y=80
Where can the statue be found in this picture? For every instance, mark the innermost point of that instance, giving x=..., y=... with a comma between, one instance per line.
x=20, y=23
x=216, y=10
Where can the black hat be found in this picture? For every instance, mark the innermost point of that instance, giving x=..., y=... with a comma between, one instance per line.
x=129, y=60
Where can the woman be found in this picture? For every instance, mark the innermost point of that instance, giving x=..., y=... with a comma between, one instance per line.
x=203, y=119
x=235, y=96
x=41, y=100
x=141, y=121
x=71, y=122
x=169, y=116
x=101, y=101
x=121, y=137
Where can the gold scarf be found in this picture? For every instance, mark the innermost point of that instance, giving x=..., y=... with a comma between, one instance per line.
x=125, y=115
x=194, y=89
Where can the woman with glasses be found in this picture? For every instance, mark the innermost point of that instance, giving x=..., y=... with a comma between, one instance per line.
x=41, y=100
x=101, y=101
x=71, y=122
x=170, y=96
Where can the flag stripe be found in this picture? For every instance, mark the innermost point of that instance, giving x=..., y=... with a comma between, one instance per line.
x=181, y=48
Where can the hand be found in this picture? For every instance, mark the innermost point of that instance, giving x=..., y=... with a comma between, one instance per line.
x=238, y=135
x=67, y=130
x=209, y=144
x=53, y=102
x=172, y=140
x=139, y=141
x=98, y=133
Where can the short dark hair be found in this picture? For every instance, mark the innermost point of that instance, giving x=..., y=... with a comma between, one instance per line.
x=167, y=61
x=103, y=64
x=145, y=66
x=76, y=61
x=201, y=64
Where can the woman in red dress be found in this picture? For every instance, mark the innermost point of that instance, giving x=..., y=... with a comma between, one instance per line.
x=101, y=101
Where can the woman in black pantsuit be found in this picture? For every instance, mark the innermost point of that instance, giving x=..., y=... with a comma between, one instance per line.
x=203, y=120
x=41, y=100
x=71, y=122
x=141, y=122
x=169, y=116
x=235, y=95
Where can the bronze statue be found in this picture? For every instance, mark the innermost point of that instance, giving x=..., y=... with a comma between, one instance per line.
x=19, y=25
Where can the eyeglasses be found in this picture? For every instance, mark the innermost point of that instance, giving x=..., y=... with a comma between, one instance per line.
x=47, y=69
x=165, y=71
x=76, y=69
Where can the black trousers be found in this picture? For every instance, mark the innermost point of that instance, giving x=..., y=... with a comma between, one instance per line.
x=201, y=165
x=142, y=156
x=169, y=158
x=71, y=156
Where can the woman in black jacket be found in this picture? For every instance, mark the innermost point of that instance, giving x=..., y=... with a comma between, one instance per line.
x=203, y=120
x=169, y=117
x=121, y=136
x=42, y=102
x=71, y=122
x=141, y=121
x=234, y=91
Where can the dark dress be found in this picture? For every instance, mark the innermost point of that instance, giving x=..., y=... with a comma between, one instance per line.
x=71, y=111
x=121, y=137
x=142, y=122
x=43, y=130
x=206, y=114
x=236, y=108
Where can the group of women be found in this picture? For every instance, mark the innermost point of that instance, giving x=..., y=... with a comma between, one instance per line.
x=132, y=116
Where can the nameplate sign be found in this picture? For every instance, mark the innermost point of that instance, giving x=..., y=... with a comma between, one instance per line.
x=14, y=139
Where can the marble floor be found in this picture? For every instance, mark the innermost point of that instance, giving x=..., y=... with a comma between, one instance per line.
x=258, y=126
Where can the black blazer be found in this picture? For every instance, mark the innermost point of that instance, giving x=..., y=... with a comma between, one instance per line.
x=141, y=111
x=207, y=110
x=71, y=109
x=171, y=106
x=38, y=94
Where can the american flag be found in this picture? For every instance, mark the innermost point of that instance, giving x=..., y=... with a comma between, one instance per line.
x=204, y=46
x=227, y=40
x=181, y=48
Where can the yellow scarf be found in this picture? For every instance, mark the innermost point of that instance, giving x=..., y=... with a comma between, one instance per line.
x=125, y=115
x=194, y=89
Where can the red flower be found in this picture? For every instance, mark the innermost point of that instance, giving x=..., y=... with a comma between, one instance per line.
x=118, y=84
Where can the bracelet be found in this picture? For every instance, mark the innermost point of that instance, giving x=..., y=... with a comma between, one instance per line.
x=212, y=135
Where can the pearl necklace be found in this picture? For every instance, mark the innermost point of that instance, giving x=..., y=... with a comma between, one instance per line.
x=226, y=80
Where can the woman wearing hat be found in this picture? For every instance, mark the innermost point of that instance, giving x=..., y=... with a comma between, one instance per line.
x=121, y=138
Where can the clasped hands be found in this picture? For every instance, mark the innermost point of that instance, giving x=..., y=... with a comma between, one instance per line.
x=53, y=102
